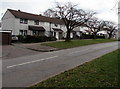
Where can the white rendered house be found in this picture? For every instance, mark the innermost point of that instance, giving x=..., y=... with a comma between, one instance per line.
x=22, y=23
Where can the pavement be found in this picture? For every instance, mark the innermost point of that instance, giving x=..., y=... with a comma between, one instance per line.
x=28, y=70
x=36, y=46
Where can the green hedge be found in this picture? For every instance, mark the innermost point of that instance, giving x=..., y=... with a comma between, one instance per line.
x=21, y=38
x=87, y=36
x=35, y=39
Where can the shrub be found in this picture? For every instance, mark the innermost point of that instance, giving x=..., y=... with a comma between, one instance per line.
x=87, y=36
x=52, y=39
x=21, y=38
x=35, y=39
x=101, y=37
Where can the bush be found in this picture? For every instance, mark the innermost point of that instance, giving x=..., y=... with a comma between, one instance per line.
x=35, y=39
x=52, y=39
x=87, y=36
x=101, y=37
x=21, y=38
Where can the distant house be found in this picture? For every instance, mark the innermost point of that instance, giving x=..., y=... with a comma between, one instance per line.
x=22, y=23
x=103, y=33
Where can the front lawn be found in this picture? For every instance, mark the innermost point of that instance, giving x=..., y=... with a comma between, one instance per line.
x=101, y=72
x=76, y=43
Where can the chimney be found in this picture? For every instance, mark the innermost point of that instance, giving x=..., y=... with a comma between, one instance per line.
x=19, y=10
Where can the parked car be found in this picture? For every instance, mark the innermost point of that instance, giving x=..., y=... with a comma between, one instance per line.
x=14, y=38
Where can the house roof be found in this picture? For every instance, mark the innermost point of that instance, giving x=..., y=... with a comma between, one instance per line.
x=36, y=28
x=25, y=15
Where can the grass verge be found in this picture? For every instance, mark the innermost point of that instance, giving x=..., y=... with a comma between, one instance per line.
x=76, y=43
x=101, y=72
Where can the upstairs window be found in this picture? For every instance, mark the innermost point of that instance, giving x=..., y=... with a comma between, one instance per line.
x=24, y=21
x=36, y=22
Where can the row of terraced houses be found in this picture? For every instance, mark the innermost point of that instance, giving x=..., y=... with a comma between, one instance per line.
x=23, y=23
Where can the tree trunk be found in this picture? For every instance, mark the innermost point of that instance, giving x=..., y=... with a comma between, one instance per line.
x=110, y=35
x=94, y=36
x=68, y=36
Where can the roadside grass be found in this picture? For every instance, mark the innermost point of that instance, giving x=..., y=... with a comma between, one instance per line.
x=76, y=43
x=101, y=72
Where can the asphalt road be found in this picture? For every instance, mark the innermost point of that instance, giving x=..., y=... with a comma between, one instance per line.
x=28, y=70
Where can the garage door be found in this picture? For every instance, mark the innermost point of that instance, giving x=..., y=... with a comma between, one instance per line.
x=5, y=38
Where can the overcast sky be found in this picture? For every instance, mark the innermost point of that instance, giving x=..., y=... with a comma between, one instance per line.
x=106, y=9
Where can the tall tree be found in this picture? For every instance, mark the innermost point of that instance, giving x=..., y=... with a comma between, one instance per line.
x=110, y=27
x=95, y=26
x=70, y=15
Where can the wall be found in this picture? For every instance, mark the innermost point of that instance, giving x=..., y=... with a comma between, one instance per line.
x=8, y=21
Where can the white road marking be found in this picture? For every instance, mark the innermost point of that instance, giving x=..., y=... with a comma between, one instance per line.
x=78, y=51
x=75, y=52
x=31, y=62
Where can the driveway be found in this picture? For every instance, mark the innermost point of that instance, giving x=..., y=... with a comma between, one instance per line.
x=28, y=70
x=13, y=51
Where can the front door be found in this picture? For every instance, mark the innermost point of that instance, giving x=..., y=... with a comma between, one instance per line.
x=60, y=35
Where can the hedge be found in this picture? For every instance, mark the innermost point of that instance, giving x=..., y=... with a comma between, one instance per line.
x=35, y=39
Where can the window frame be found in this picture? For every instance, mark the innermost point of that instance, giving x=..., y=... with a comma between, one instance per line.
x=36, y=22
x=24, y=21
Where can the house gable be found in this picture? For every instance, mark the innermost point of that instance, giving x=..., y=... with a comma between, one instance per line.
x=7, y=15
x=8, y=21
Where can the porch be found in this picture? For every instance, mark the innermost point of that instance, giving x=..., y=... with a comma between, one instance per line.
x=37, y=30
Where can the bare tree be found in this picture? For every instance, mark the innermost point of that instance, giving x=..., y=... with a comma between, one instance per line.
x=95, y=26
x=71, y=16
x=110, y=27
x=49, y=13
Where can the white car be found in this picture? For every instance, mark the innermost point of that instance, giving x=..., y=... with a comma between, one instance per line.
x=14, y=38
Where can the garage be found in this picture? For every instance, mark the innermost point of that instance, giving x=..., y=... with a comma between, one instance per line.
x=5, y=37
